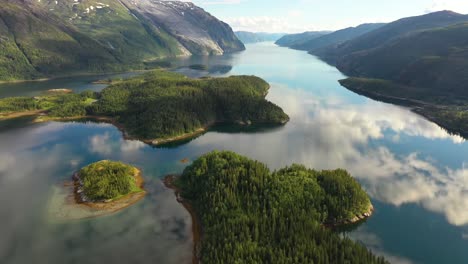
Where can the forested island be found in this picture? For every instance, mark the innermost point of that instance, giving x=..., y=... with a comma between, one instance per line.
x=99, y=189
x=249, y=214
x=159, y=106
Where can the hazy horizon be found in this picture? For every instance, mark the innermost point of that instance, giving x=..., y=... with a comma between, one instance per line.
x=295, y=16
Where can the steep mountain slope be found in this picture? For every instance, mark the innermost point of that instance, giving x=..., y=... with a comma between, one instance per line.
x=255, y=37
x=298, y=39
x=197, y=30
x=49, y=38
x=435, y=59
x=390, y=32
x=337, y=37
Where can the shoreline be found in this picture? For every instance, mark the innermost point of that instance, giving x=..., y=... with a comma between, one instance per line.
x=357, y=219
x=14, y=115
x=84, y=74
x=196, y=225
x=120, y=127
x=42, y=117
x=421, y=108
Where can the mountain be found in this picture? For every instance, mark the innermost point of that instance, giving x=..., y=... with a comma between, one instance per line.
x=389, y=32
x=255, y=37
x=426, y=70
x=49, y=38
x=194, y=28
x=434, y=59
x=336, y=37
x=298, y=39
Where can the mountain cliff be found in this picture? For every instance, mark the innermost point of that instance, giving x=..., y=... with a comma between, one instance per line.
x=41, y=38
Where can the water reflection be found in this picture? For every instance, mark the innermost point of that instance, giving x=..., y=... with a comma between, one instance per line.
x=412, y=168
x=36, y=159
x=327, y=136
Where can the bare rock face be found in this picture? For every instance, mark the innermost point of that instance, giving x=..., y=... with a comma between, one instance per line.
x=193, y=27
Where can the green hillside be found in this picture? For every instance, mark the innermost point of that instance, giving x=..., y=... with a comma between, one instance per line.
x=389, y=32
x=435, y=59
x=55, y=38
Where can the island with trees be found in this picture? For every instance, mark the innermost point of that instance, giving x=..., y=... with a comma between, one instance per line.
x=159, y=107
x=248, y=214
x=108, y=186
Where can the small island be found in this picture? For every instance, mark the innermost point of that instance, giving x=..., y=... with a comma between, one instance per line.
x=105, y=182
x=99, y=189
x=159, y=107
x=245, y=213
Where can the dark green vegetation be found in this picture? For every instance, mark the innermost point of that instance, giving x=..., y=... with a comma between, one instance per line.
x=107, y=180
x=255, y=37
x=251, y=215
x=163, y=104
x=45, y=38
x=298, y=39
x=56, y=104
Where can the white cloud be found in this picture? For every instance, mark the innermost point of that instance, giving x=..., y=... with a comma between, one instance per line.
x=105, y=145
x=459, y=6
x=100, y=144
x=267, y=24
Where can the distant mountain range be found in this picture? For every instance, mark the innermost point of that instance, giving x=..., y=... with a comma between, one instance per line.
x=388, y=33
x=48, y=38
x=336, y=37
x=255, y=37
x=298, y=39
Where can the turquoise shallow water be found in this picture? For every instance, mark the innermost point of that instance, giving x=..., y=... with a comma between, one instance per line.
x=413, y=170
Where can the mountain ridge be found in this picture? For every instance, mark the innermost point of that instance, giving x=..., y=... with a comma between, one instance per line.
x=388, y=32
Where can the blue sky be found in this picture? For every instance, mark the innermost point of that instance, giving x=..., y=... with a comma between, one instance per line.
x=302, y=15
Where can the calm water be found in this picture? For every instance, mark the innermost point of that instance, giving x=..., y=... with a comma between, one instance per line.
x=413, y=170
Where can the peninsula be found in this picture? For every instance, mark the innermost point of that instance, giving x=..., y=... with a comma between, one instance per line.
x=159, y=107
